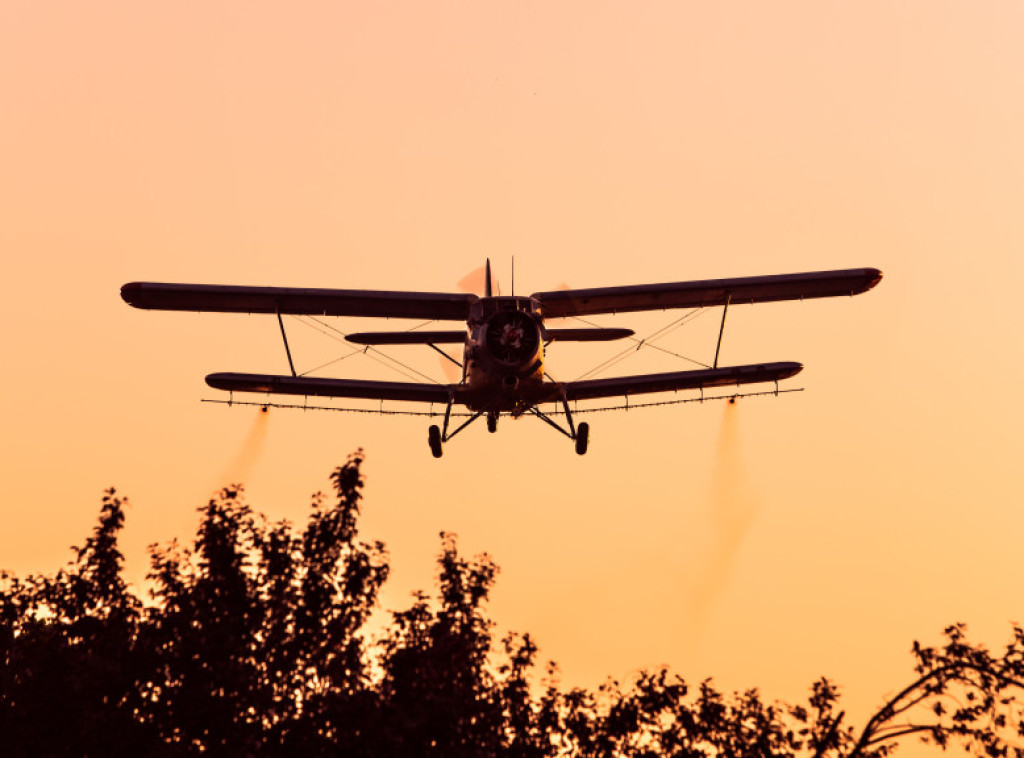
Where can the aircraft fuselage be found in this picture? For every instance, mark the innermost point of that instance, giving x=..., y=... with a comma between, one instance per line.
x=504, y=354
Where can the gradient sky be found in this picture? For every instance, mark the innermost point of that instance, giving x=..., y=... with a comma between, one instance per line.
x=395, y=146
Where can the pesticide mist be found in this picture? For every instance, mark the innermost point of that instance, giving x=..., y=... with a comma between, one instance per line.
x=730, y=510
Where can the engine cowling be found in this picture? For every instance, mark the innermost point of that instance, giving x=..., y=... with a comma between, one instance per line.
x=512, y=339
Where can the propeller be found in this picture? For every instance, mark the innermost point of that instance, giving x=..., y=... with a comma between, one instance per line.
x=451, y=372
x=475, y=282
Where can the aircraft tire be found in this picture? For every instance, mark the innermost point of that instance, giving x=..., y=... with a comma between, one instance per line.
x=492, y=424
x=582, y=438
x=434, y=438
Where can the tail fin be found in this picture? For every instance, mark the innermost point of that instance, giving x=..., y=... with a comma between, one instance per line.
x=487, y=285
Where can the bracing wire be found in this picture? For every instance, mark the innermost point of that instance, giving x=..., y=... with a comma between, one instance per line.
x=326, y=329
x=647, y=341
x=330, y=363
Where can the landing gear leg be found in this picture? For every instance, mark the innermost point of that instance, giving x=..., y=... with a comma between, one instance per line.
x=580, y=434
x=435, y=436
x=492, y=422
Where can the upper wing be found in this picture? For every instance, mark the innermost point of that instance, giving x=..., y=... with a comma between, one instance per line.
x=680, y=380
x=307, y=385
x=751, y=289
x=291, y=300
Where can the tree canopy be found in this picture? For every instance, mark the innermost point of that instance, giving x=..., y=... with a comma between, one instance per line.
x=255, y=640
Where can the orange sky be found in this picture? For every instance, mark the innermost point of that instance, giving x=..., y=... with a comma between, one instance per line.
x=394, y=146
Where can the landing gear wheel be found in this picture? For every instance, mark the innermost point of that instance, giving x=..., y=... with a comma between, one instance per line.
x=492, y=423
x=434, y=437
x=582, y=438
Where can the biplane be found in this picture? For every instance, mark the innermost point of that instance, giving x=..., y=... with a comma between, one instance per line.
x=503, y=340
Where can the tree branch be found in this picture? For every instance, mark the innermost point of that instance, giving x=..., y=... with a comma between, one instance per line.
x=888, y=710
x=823, y=745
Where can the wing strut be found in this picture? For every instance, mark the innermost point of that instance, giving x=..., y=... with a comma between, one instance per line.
x=721, y=329
x=287, y=349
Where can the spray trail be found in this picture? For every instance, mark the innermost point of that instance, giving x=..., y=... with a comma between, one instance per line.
x=733, y=508
x=239, y=468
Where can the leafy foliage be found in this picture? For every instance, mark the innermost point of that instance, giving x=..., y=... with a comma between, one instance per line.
x=962, y=694
x=254, y=642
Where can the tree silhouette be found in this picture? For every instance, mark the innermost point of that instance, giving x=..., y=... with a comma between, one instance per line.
x=254, y=641
x=68, y=675
x=962, y=694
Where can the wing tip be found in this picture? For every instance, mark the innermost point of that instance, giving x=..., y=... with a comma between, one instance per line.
x=872, y=276
x=791, y=368
x=130, y=292
x=216, y=380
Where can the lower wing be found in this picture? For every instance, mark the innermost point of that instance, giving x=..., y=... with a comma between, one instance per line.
x=313, y=386
x=679, y=380
x=440, y=393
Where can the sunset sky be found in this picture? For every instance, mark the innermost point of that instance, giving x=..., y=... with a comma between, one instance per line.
x=397, y=145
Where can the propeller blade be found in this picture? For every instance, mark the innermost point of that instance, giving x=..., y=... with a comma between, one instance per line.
x=475, y=282
x=451, y=372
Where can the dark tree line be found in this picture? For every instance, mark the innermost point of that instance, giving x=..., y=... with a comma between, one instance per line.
x=254, y=641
